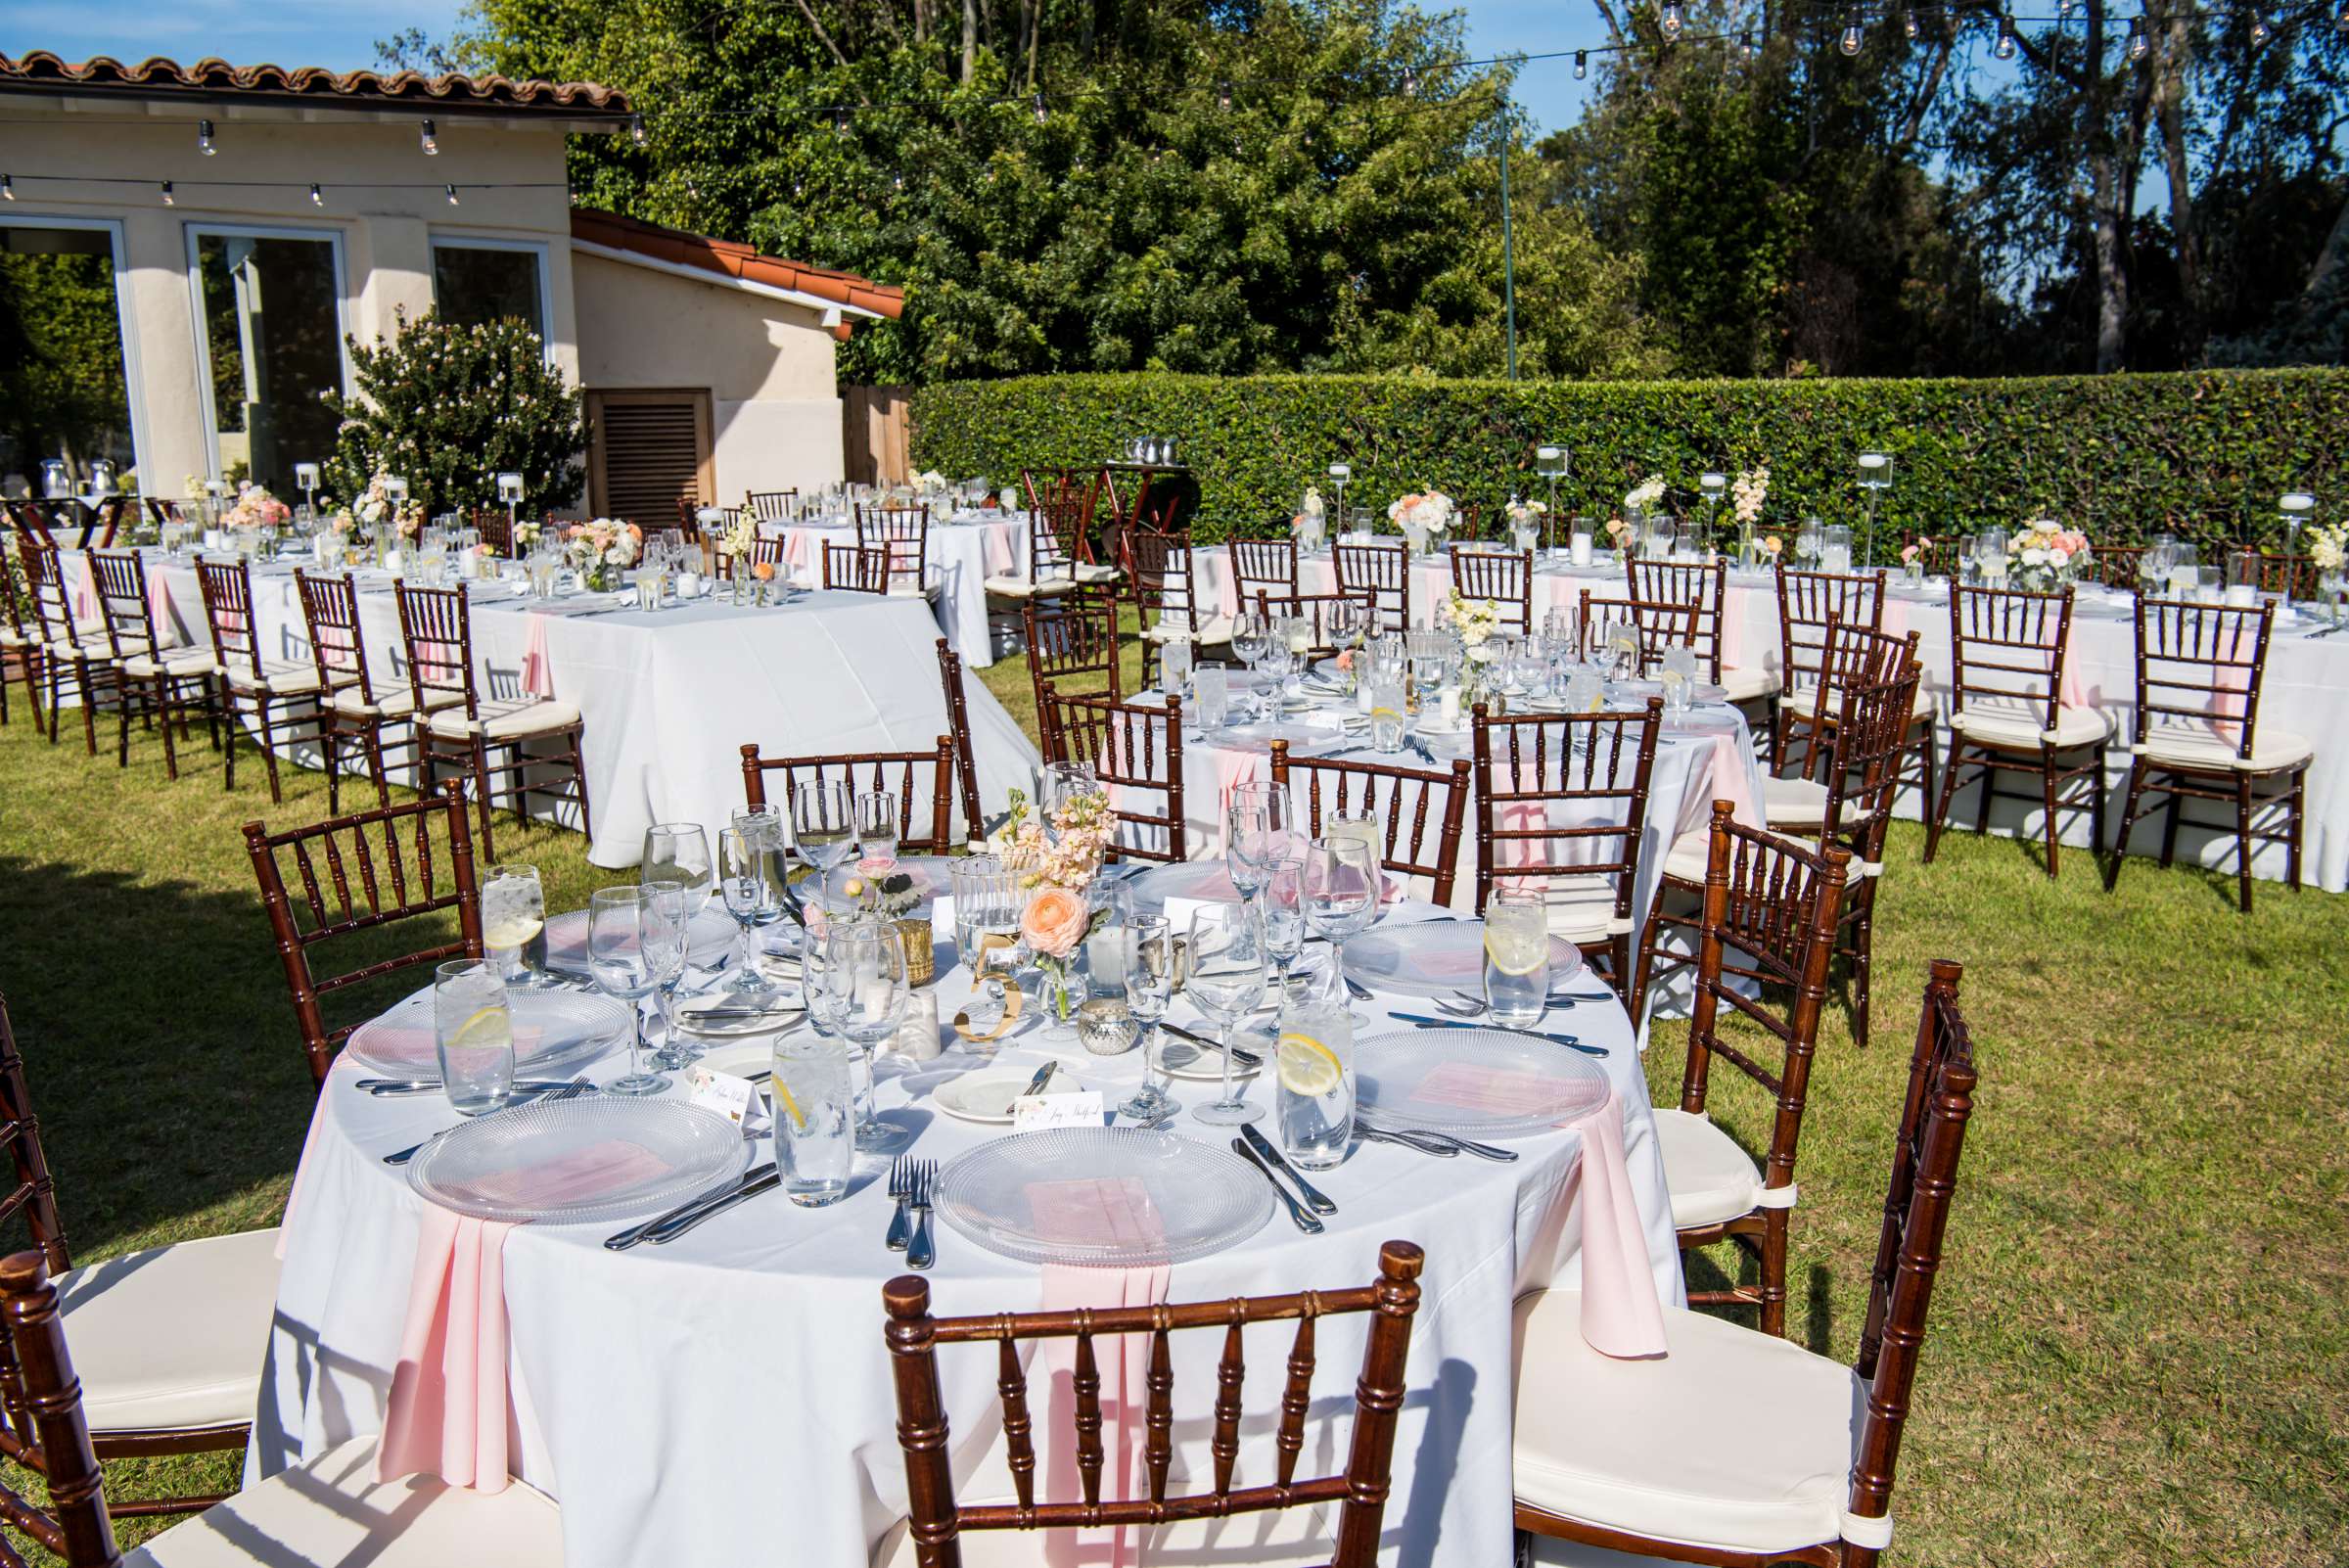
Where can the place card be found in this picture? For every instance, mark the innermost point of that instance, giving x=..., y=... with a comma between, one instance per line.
x=1030, y=1112
x=734, y=1098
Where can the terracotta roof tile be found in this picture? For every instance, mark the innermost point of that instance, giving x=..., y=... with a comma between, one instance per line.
x=731, y=259
x=213, y=78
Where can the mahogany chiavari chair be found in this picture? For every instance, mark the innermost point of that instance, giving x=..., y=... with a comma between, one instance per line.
x=1661, y=1455
x=1060, y=528
x=958, y=725
x=1505, y=578
x=170, y=1337
x=155, y=681
x=436, y=626
x=771, y=506
x=495, y=528
x=2006, y=652
x=2116, y=564
x=329, y=1509
x=1069, y=643
x=2293, y=577
x=1701, y=587
x=1136, y=753
x=366, y=872
x=1808, y=603
x=854, y=569
x=162, y=510
x=248, y=679
x=1381, y=570
x=1659, y=624
x=1562, y=804
x=1407, y=800
x=770, y=551
x=1165, y=597
x=1262, y=566
x=1773, y=904
x=358, y=708
x=2199, y=670
x=1314, y=609
x=69, y=648
x=1940, y=556
x=897, y=772
x=937, y=1519
x=901, y=537
x=28, y=523
x=21, y=640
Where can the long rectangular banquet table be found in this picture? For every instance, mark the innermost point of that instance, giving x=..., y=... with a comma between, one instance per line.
x=728, y=1396
x=961, y=552
x=670, y=697
x=2306, y=677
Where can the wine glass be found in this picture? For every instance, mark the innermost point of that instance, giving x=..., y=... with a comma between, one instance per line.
x=823, y=823
x=746, y=880
x=513, y=919
x=986, y=919
x=1263, y=828
x=1251, y=635
x=1281, y=905
x=863, y=972
x=1227, y=982
x=877, y=826
x=680, y=852
x=1341, y=884
x=635, y=942
x=1153, y=958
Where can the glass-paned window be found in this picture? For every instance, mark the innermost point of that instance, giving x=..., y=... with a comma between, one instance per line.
x=273, y=332
x=475, y=285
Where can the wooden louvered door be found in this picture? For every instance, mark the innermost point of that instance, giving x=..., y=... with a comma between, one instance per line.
x=644, y=451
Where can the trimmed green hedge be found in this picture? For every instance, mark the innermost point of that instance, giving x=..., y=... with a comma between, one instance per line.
x=2204, y=454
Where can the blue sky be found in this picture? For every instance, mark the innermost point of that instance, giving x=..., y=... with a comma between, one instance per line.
x=342, y=35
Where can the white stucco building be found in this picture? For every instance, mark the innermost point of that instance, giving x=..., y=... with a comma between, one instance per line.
x=255, y=216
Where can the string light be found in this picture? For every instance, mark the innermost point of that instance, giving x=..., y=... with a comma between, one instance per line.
x=1673, y=21
x=1745, y=46
x=204, y=138
x=8, y=187
x=2004, y=47
x=1853, y=34
x=2139, y=42
x=1039, y=108
x=840, y=122
x=452, y=196
x=1582, y=64
x=636, y=130
x=1411, y=82
x=1224, y=95
x=1908, y=23
x=429, y=138
x=169, y=198
x=2259, y=28
x=317, y=195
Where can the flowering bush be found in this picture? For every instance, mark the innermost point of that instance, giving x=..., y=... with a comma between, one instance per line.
x=1474, y=620
x=2043, y=554
x=1747, y=494
x=1421, y=513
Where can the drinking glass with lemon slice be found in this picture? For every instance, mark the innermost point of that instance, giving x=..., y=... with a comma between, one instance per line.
x=474, y=1030
x=1314, y=1077
x=1516, y=957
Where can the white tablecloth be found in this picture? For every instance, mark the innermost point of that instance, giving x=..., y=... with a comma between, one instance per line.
x=728, y=1396
x=669, y=698
x=961, y=553
x=2306, y=679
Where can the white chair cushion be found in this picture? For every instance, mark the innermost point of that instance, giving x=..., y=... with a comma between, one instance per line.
x=1211, y=631
x=331, y=1514
x=173, y=1336
x=2018, y=728
x=1748, y=685
x=1093, y=571
x=1691, y=853
x=1736, y=1441
x=2271, y=749
x=279, y=676
x=1027, y=587
x=506, y=718
x=1580, y=908
x=1710, y=1178
x=1793, y=801
x=194, y=662
x=11, y=638
x=397, y=702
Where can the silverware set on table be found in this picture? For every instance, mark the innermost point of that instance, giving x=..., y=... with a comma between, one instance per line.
x=913, y=1183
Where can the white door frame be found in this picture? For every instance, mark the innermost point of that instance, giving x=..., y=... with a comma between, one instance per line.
x=206, y=393
x=133, y=382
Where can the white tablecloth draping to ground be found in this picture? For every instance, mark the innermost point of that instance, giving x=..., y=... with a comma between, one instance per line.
x=961, y=552
x=701, y=1402
x=669, y=698
x=2307, y=679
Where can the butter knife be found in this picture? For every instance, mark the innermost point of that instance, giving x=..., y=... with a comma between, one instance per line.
x=767, y=1178
x=1569, y=1041
x=1304, y=1222
x=1315, y=1198
x=1239, y=1057
x=623, y=1240
x=1044, y=1076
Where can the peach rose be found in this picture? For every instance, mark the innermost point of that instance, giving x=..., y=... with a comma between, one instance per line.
x=764, y=572
x=1055, y=922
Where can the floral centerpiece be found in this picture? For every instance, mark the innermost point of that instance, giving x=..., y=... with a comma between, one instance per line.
x=1747, y=492
x=1525, y=520
x=256, y=508
x=1054, y=868
x=930, y=481
x=1473, y=622
x=1312, y=521
x=1914, y=556
x=734, y=543
x=527, y=533
x=2044, y=555
x=601, y=549
x=1421, y=515
x=2328, y=553
x=887, y=891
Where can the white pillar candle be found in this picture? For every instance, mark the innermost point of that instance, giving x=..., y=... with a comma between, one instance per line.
x=1578, y=550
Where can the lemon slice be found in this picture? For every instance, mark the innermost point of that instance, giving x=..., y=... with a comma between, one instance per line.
x=1516, y=952
x=784, y=1103
x=1308, y=1068
x=1384, y=712
x=489, y=1028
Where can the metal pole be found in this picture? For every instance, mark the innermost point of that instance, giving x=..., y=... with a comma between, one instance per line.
x=1508, y=246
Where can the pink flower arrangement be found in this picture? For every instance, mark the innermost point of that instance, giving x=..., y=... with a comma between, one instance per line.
x=1055, y=921
x=256, y=508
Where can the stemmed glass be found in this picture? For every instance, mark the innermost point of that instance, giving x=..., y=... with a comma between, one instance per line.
x=1263, y=830
x=1061, y=785
x=513, y=917
x=1251, y=635
x=823, y=823
x=1281, y=906
x=986, y=918
x=864, y=974
x=635, y=943
x=680, y=852
x=745, y=880
x=1227, y=982
x=1341, y=884
x=1150, y=982
x=877, y=826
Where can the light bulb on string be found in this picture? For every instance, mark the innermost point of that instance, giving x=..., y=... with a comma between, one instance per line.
x=1039, y=108
x=1411, y=82
x=636, y=130
x=2063, y=9
x=2004, y=47
x=429, y=138
x=1672, y=21
x=452, y=194
x=1853, y=34
x=1745, y=46
x=1582, y=64
x=1223, y=96
x=2138, y=41
x=840, y=122
x=169, y=198
x=317, y=195
x=204, y=138
x=1908, y=23
x=2260, y=31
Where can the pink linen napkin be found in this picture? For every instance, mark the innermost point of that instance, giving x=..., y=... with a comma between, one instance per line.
x=1732, y=628
x=1728, y=781
x=85, y=589
x=537, y=670
x=997, y=538
x=1622, y=1316
x=1101, y=1211
x=795, y=547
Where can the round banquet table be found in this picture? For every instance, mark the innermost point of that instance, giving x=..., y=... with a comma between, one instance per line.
x=704, y=1401
x=2308, y=669
x=667, y=697
x=961, y=554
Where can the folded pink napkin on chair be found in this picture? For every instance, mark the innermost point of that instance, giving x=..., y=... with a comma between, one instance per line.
x=1620, y=1313
x=537, y=670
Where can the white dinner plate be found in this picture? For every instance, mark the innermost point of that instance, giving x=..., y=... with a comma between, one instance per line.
x=986, y=1096
x=1194, y=1063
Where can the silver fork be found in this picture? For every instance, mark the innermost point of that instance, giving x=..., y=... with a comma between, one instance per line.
x=900, y=1187
x=921, y=1252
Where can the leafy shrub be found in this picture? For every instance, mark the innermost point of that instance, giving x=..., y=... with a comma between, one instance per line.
x=450, y=407
x=2203, y=454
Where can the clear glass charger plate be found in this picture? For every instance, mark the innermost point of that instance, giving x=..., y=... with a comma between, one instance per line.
x=1102, y=1197
x=709, y=937
x=1475, y=1082
x=582, y=1161
x=1436, y=957
x=552, y=1029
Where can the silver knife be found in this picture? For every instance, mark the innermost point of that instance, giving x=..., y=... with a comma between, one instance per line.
x=767, y=1178
x=1314, y=1199
x=1304, y=1222
x=623, y=1240
x=1411, y=1141
x=1043, y=1076
x=1572, y=1043
x=1441, y=1143
x=1239, y=1057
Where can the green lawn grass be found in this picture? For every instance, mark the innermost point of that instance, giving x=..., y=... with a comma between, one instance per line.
x=2137, y=1354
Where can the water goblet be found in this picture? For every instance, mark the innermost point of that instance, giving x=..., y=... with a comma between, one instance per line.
x=1281, y=906
x=1341, y=884
x=1152, y=956
x=514, y=925
x=877, y=826
x=635, y=943
x=680, y=852
x=1227, y=982
x=864, y=973
x=987, y=921
x=745, y=879
x=823, y=823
